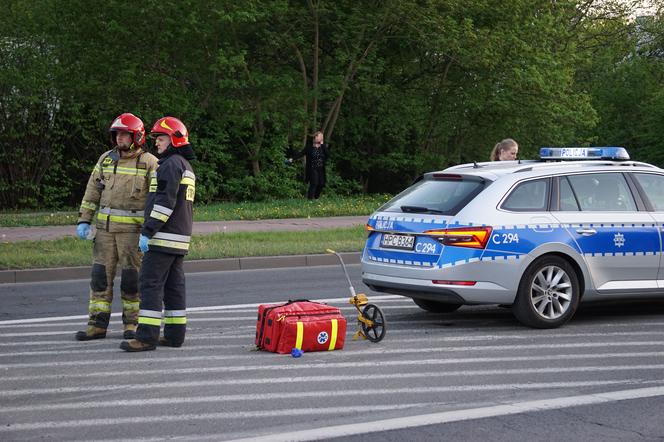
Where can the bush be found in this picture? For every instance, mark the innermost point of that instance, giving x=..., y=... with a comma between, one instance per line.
x=273, y=184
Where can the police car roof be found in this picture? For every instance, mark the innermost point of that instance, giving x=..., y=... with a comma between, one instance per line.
x=494, y=169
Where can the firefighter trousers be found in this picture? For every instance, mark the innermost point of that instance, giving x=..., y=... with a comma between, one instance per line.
x=109, y=250
x=162, y=282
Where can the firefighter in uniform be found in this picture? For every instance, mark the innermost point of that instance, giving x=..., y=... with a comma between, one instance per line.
x=165, y=239
x=117, y=190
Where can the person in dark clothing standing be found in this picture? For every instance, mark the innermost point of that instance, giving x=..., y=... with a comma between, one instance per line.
x=165, y=239
x=316, y=154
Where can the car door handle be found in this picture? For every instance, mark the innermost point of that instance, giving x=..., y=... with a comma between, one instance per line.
x=586, y=232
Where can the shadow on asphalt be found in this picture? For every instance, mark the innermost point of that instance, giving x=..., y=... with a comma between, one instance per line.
x=501, y=317
x=643, y=308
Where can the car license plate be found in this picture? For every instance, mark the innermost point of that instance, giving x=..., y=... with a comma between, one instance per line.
x=405, y=242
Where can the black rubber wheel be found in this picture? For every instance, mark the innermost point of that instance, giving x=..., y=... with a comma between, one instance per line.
x=436, y=307
x=548, y=294
x=373, y=313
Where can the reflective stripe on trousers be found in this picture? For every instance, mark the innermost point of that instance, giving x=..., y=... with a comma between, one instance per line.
x=149, y=317
x=175, y=317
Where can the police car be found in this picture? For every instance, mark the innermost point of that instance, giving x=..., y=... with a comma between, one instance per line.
x=580, y=224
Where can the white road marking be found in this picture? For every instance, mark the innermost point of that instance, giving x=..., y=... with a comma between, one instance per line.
x=348, y=410
x=226, y=369
x=328, y=393
x=26, y=335
x=459, y=415
x=370, y=351
x=246, y=308
x=443, y=337
x=319, y=379
x=205, y=383
x=202, y=309
x=37, y=343
x=195, y=317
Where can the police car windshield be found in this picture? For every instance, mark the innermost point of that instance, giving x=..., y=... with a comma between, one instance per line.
x=435, y=196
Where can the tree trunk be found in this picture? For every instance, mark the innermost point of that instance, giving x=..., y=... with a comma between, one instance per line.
x=314, y=13
x=305, y=92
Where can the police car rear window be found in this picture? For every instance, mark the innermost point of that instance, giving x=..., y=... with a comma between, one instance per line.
x=529, y=196
x=444, y=196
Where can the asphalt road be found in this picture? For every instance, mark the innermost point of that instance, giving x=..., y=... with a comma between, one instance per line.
x=474, y=375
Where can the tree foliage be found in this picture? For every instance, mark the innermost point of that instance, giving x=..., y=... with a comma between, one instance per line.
x=625, y=80
x=398, y=87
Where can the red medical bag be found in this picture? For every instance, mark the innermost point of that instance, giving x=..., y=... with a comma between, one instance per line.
x=306, y=325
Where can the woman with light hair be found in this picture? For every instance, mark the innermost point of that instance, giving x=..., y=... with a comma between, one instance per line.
x=506, y=150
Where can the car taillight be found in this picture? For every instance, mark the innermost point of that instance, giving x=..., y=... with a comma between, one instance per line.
x=369, y=228
x=473, y=237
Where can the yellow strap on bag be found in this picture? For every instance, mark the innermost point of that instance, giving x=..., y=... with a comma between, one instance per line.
x=300, y=335
x=333, y=337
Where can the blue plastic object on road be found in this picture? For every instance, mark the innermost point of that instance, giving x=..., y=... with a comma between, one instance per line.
x=83, y=230
x=143, y=243
x=296, y=352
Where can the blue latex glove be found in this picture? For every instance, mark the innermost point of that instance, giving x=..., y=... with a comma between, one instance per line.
x=83, y=230
x=143, y=243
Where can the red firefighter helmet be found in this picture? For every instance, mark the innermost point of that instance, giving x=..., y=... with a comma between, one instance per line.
x=129, y=123
x=172, y=127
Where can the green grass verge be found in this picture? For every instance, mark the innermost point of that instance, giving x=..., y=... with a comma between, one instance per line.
x=277, y=209
x=69, y=252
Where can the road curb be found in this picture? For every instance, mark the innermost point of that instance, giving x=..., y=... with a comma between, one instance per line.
x=194, y=266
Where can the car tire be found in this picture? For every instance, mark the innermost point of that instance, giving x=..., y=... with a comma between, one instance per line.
x=435, y=306
x=548, y=294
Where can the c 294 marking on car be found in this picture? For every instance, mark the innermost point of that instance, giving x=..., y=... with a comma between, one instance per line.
x=505, y=238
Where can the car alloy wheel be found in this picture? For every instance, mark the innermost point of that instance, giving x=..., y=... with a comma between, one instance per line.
x=548, y=293
x=551, y=292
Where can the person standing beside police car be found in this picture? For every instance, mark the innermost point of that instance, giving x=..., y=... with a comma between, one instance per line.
x=506, y=150
x=117, y=191
x=165, y=239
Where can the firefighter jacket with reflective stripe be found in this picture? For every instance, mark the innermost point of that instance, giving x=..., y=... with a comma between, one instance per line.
x=117, y=190
x=169, y=210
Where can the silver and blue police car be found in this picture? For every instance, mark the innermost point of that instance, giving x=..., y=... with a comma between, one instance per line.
x=580, y=224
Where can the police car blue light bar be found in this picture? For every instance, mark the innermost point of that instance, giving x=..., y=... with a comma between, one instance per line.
x=584, y=153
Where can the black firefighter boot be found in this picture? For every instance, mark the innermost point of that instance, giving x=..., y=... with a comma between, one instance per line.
x=135, y=345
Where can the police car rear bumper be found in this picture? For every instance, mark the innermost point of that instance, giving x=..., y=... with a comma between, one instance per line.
x=480, y=293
